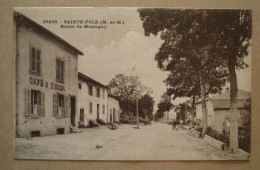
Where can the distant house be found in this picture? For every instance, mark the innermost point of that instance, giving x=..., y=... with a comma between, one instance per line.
x=92, y=100
x=168, y=116
x=219, y=109
x=113, y=109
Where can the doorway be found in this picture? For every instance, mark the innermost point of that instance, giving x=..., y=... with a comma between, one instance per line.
x=114, y=115
x=81, y=117
x=97, y=111
x=73, y=110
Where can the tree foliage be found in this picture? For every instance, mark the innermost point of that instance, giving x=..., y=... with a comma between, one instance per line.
x=145, y=106
x=164, y=105
x=182, y=110
x=186, y=52
x=209, y=40
x=128, y=89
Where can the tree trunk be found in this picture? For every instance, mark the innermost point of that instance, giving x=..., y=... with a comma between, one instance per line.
x=203, y=103
x=233, y=107
x=193, y=111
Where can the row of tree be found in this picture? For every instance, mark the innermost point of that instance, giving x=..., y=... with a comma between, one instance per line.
x=129, y=90
x=202, y=50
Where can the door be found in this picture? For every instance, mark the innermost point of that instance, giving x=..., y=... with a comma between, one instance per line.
x=73, y=110
x=110, y=117
x=81, y=118
x=114, y=115
x=97, y=111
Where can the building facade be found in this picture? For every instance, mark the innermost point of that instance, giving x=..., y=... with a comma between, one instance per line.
x=46, y=80
x=218, y=108
x=92, y=100
x=114, y=110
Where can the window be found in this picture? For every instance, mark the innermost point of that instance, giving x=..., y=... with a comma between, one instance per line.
x=103, y=94
x=90, y=107
x=103, y=111
x=60, y=70
x=59, y=103
x=90, y=90
x=35, y=133
x=60, y=131
x=61, y=100
x=98, y=92
x=34, y=103
x=79, y=85
x=35, y=61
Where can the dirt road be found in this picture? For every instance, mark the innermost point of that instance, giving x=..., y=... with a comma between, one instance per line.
x=151, y=142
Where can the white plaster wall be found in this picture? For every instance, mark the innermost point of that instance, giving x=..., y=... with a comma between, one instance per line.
x=50, y=49
x=113, y=104
x=85, y=99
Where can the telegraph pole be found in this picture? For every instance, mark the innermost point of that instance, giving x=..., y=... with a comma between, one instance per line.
x=137, y=115
x=137, y=120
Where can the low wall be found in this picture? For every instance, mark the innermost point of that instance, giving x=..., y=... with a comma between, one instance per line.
x=213, y=141
x=194, y=133
x=243, y=154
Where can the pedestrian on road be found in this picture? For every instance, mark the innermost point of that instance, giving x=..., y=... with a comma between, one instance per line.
x=173, y=124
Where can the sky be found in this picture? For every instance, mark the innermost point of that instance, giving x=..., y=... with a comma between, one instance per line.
x=121, y=48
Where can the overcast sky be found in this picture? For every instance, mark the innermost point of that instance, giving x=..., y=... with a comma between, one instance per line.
x=117, y=49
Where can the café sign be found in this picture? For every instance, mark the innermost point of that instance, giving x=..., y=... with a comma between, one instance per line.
x=39, y=82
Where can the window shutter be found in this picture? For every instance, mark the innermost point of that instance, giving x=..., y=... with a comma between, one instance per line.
x=67, y=104
x=39, y=71
x=39, y=107
x=42, y=104
x=57, y=71
x=30, y=59
x=63, y=72
x=27, y=102
x=55, y=105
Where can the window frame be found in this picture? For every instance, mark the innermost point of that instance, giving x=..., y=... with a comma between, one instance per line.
x=35, y=61
x=90, y=89
x=103, y=95
x=104, y=108
x=80, y=86
x=60, y=70
x=90, y=107
x=60, y=102
x=34, y=99
x=98, y=92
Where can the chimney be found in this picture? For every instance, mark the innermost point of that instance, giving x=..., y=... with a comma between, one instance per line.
x=227, y=89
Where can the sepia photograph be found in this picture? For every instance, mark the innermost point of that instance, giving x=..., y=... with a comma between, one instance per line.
x=121, y=83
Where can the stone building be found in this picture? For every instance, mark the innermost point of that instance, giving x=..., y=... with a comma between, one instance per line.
x=219, y=109
x=46, y=80
x=114, y=110
x=92, y=100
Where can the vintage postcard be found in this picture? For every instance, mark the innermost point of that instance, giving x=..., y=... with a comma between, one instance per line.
x=132, y=83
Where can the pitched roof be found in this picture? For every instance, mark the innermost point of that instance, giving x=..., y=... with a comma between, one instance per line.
x=222, y=101
x=90, y=80
x=21, y=17
x=225, y=103
x=241, y=94
x=112, y=96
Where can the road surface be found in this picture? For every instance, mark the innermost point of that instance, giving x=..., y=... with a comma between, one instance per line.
x=151, y=142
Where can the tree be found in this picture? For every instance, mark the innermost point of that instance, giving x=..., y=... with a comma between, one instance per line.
x=145, y=108
x=186, y=83
x=163, y=106
x=128, y=89
x=233, y=30
x=186, y=45
x=215, y=39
